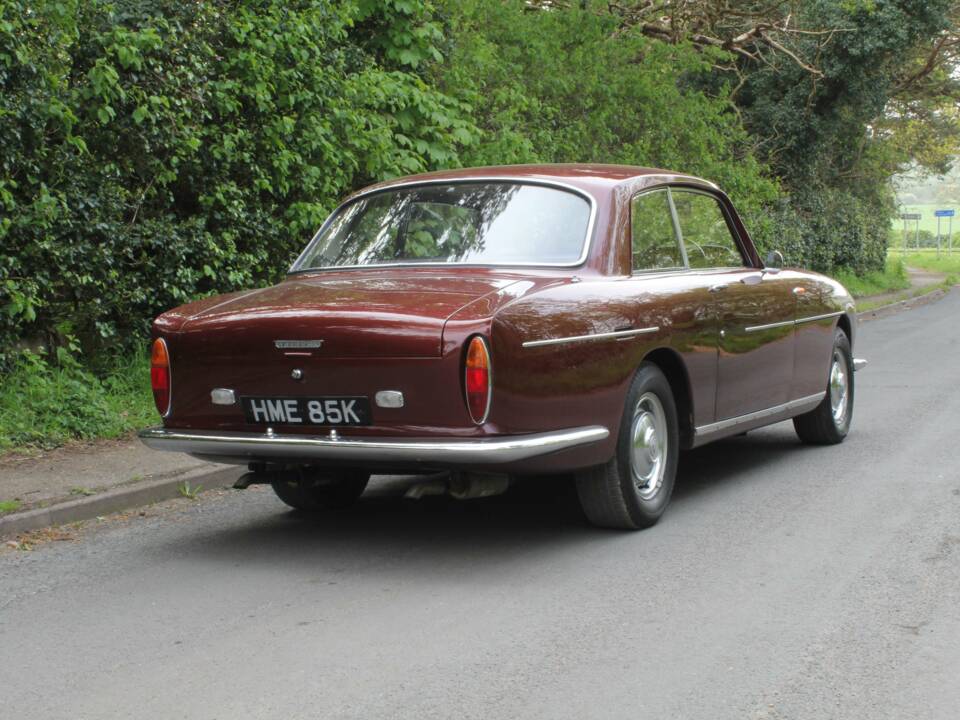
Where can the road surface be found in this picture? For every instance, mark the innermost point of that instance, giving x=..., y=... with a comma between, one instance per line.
x=784, y=582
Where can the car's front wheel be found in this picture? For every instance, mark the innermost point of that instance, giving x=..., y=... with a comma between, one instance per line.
x=313, y=490
x=632, y=490
x=829, y=422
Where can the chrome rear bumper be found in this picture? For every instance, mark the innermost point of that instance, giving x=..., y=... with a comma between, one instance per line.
x=859, y=364
x=244, y=447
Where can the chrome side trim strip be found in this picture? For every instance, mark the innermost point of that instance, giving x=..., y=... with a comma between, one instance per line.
x=799, y=403
x=467, y=451
x=770, y=326
x=798, y=321
x=504, y=179
x=596, y=336
x=814, y=318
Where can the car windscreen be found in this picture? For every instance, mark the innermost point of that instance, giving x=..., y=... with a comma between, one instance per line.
x=480, y=223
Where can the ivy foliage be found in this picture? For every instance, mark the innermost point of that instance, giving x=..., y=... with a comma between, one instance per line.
x=156, y=150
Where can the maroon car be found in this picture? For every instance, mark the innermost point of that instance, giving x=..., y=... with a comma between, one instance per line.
x=508, y=321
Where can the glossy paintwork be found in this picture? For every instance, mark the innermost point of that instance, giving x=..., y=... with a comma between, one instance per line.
x=406, y=329
x=755, y=367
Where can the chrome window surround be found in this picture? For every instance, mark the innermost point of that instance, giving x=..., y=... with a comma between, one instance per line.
x=678, y=231
x=505, y=180
x=673, y=223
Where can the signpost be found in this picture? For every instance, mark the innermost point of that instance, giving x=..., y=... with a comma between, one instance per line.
x=913, y=217
x=945, y=214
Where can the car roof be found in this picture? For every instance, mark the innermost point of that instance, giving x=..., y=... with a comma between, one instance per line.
x=592, y=177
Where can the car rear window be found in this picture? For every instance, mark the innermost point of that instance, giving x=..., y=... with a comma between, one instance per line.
x=482, y=223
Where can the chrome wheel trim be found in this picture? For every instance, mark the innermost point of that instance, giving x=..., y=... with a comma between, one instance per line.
x=839, y=388
x=648, y=445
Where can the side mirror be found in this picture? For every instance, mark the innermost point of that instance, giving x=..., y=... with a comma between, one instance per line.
x=773, y=263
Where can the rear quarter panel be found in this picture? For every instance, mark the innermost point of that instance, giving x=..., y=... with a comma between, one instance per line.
x=585, y=383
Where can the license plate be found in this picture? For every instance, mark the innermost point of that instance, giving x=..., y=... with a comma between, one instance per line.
x=307, y=411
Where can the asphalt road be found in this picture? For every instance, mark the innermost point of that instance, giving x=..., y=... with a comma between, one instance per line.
x=784, y=582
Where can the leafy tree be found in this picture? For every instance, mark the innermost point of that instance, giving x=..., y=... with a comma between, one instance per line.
x=156, y=150
x=563, y=87
x=837, y=95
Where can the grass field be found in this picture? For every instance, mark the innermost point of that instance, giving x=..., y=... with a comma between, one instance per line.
x=926, y=259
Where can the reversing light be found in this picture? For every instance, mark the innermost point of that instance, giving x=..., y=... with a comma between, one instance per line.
x=160, y=376
x=477, y=374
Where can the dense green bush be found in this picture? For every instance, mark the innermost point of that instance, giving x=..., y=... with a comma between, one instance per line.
x=158, y=150
x=155, y=150
x=44, y=403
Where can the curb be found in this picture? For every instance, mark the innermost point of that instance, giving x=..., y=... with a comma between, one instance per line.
x=115, y=499
x=895, y=307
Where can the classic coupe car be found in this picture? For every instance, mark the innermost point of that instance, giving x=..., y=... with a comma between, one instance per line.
x=497, y=322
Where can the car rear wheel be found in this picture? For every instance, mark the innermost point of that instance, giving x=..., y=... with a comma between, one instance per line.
x=314, y=490
x=829, y=422
x=632, y=490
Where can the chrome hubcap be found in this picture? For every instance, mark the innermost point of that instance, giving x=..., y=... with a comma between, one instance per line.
x=839, y=388
x=648, y=445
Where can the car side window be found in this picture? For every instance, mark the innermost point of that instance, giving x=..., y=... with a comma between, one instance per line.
x=706, y=235
x=654, y=242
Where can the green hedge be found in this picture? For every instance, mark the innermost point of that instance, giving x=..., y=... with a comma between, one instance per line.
x=159, y=150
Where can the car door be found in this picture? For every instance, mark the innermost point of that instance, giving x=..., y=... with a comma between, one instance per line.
x=668, y=294
x=755, y=310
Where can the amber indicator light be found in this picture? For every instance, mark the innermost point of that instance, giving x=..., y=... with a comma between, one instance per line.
x=478, y=379
x=160, y=375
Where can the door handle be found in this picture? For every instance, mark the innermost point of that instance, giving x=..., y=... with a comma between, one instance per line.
x=718, y=287
x=752, y=279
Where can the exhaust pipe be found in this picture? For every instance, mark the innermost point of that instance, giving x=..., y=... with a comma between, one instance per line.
x=263, y=474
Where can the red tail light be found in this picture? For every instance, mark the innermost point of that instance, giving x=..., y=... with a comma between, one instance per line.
x=160, y=375
x=477, y=373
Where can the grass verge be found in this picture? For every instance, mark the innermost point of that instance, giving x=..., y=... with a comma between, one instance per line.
x=894, y=277
x=928, y=260
x=44, y=404
x=948, y=283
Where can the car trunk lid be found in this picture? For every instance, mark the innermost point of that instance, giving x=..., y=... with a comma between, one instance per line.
x=358, y=315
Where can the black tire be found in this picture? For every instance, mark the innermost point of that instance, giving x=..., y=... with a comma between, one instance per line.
x=822, y=426
x=609, y=494
x=313, y=490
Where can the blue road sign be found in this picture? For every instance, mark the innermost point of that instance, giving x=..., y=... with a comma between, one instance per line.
x=944, y=213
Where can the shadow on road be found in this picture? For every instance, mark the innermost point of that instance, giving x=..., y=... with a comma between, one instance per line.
x=755, y=457
x=537, y=515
